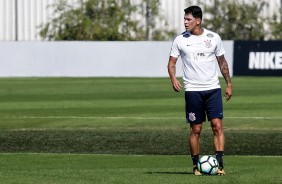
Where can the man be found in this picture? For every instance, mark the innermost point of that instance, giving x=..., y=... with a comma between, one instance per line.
x=200, y=49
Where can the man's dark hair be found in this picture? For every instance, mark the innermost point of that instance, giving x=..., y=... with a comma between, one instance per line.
x=196, y=11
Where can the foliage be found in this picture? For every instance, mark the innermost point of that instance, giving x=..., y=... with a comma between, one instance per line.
x=276, y=26
x=104, y=20
x=150, y=10
x=235, y=21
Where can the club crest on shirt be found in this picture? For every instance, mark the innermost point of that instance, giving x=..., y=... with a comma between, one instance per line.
x=208, y=43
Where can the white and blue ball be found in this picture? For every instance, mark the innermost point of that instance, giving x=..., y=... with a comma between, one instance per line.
x=208, y=165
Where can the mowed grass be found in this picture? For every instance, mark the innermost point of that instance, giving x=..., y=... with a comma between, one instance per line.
x=125, y=103
x=131, y=130
x=131, y=116
x=128, y=169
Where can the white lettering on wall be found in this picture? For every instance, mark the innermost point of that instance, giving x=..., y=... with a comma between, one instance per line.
x=265, y=60
x=254, y=60
x=278, y=60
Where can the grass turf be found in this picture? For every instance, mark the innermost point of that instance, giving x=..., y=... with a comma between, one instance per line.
x=131, y=116
x=123, y=169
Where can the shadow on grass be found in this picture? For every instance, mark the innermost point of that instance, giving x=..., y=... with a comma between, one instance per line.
x=135, y=142
x=168, y=172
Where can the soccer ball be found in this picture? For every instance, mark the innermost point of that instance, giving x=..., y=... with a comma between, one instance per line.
x=208, y=165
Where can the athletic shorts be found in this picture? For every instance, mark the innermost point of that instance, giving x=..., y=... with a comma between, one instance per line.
x=202, y=104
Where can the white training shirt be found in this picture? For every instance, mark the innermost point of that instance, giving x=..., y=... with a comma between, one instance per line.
x=198, y=54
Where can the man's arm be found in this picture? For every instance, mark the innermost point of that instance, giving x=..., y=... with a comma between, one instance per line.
x=225, y=72
x=172, y=74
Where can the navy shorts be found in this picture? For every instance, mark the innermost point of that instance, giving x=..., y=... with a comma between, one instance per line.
x=199, y=104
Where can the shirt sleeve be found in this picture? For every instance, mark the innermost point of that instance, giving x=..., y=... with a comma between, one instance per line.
x=174, y=52
x=219, y=47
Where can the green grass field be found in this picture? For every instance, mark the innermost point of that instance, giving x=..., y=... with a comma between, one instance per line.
x=71, y=123
x=124, y=169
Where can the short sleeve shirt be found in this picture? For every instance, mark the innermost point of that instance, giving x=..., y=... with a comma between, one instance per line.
x=198, y=54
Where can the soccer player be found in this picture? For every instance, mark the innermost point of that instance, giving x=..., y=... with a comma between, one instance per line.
x=199, y=50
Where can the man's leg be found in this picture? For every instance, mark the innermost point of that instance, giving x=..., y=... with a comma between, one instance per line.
x=194, y=142
x=195, y=116
x=217, y=128
x=219, y=141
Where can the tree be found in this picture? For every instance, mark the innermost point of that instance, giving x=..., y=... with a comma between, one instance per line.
x=155, y=25
x=276, y=26
x=102, y=20
x=234, y=21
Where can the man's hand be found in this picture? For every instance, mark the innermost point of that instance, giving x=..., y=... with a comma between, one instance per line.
x=228, y=92
x=172, y=71
x=176, y=85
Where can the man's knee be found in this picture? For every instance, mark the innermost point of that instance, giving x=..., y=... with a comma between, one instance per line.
x=196, y=129
x=216, y=125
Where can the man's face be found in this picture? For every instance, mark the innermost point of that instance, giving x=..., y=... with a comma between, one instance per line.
x=190, y=22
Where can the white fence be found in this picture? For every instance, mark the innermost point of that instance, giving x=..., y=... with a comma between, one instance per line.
x=90, y=59
x=20, y=19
